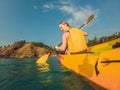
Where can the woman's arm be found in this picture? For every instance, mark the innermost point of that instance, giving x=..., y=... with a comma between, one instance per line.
x=64, y=42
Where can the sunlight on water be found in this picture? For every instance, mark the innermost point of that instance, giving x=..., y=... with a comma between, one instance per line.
x=25, y=74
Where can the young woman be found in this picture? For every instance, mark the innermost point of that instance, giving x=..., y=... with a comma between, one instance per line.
x=73, y=39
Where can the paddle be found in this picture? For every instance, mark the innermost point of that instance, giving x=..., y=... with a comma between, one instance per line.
x=88, y=20
x=44, y=58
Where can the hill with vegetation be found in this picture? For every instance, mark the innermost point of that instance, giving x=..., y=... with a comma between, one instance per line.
x=23, y=49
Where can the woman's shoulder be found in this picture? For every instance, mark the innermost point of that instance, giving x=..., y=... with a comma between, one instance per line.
x=66, y=34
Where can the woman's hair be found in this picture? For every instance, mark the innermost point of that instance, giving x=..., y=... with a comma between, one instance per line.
x=64, y=22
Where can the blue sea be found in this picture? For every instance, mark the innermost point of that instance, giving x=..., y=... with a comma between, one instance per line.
x=25, y=74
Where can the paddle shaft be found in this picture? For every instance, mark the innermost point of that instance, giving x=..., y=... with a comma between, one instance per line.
x=81, y=26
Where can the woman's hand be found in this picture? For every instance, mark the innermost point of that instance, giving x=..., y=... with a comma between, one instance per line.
x=56, y=48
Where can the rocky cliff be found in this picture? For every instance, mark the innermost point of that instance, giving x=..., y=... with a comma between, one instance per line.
x=23, y=49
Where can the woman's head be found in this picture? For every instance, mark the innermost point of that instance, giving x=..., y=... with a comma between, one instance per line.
x=64, y=26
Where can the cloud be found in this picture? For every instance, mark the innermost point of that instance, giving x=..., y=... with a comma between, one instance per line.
x=49, y=6
x=77, y=14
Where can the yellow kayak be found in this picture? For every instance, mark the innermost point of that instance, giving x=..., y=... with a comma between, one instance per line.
x=102, y=66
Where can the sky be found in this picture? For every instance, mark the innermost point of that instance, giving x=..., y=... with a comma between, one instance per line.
x=37, y=20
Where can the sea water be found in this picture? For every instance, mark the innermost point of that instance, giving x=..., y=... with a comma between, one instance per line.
x=25, y=74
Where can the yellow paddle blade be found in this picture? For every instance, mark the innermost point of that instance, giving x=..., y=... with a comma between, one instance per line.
x=89, y=19
x=43, y=59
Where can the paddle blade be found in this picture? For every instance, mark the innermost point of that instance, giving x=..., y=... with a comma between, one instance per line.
x=43, y=59
x=89, y=19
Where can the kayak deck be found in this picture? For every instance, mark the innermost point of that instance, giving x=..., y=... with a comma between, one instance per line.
x=100, y=67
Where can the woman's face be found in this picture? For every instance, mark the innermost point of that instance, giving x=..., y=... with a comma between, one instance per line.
x=62, y=27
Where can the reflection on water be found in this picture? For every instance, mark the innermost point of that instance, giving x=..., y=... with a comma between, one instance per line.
x=25, y=74
x=43, y=67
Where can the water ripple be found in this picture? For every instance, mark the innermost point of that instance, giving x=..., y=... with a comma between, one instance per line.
x=25, y=74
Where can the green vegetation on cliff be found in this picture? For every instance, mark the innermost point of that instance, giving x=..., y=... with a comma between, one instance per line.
x=23, y=49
